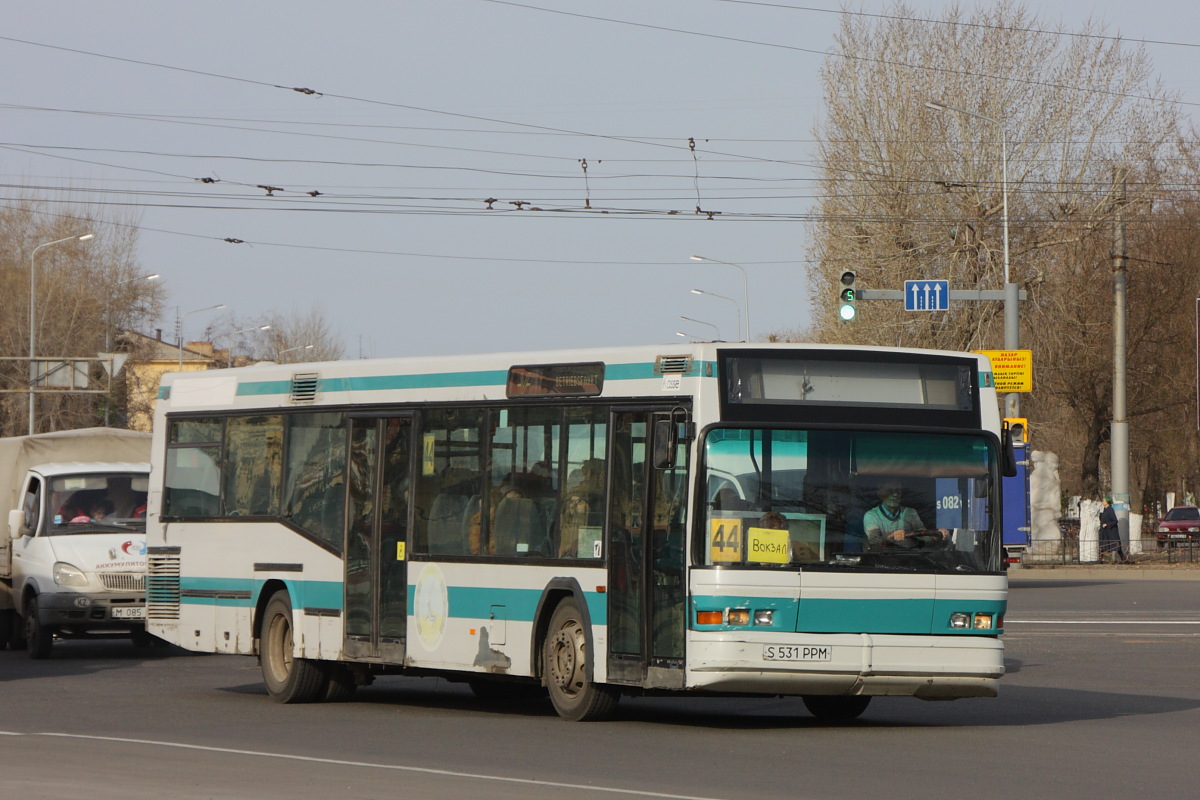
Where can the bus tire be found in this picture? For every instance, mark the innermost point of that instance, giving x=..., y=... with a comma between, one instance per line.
x=6, y=623
x=836, y=708
x=38, y=638
x=565, y=654
x=288, y=679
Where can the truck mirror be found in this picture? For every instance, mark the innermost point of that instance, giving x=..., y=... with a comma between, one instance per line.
x=16, y=524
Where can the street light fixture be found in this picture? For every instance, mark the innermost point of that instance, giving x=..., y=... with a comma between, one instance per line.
x=293, y=349
x=723, y=297
x=179, y=326
x=33, y=374
x=745, y=288
x=719, y=338
x=108, y=308
x=229, y=348
x=1012, y=401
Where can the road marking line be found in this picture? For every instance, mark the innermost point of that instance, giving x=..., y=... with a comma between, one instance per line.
x=396, y=767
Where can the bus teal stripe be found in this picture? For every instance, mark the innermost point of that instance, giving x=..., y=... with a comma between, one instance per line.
x=855, y=615
x=474, y=602
x=442, y=380
x=305, y=594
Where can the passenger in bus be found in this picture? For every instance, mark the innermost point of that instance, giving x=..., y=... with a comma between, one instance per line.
x=891, y=524
x=727, y=499
x=582, y=507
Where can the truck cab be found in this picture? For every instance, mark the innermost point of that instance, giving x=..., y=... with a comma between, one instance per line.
x=77, y=554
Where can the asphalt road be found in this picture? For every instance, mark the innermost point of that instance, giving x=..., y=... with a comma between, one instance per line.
x=1102, y=699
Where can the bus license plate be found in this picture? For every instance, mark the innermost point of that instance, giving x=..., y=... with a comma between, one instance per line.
x=797, y=652
x=138, y=612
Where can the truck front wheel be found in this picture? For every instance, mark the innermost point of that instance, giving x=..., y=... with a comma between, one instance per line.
x=38, y=637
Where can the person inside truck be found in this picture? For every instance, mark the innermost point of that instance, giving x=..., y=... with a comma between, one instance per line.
x=99, y=510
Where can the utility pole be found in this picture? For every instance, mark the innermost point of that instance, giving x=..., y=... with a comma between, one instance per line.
x=1119, y=432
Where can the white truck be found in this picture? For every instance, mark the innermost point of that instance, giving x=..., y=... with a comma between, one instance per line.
x=73, y=560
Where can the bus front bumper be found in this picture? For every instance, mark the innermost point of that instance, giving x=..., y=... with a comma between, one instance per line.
x=929, y=667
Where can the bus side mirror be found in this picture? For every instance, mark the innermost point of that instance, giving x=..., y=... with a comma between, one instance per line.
x=666, y=441
x=1008, y=458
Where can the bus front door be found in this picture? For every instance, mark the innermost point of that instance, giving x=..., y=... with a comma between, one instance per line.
x=376, y=538
x=647, y=513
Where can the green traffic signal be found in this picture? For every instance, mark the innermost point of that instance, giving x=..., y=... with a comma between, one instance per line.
x=847, y=310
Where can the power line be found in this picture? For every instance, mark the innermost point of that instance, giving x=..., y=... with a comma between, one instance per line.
x=868, y=59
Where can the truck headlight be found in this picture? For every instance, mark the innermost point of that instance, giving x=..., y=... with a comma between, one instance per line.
x=67, y=575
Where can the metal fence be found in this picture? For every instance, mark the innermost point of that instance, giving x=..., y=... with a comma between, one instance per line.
x=1144, y=549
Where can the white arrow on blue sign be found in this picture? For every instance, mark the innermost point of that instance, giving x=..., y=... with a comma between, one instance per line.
x=926, y=295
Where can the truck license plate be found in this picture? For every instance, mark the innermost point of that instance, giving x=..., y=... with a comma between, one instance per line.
x=797, y=652
x=131, y=612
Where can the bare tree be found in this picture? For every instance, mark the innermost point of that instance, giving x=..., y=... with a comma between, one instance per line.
x=302, y=336
x=85, y=293
x=909, y=192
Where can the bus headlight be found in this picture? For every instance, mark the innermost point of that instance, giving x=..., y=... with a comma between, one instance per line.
x=764, y=616
x=67, y=575
x=960, y=619
x=983, y=622
x=739, y=616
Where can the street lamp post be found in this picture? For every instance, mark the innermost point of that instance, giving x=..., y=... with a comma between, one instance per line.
x=723, y=297
x=229, y=348
x=745, y=288
x=33, y=373
x=112, y=297
x=1012, y=401
x=179, y=326
x=720, y=338
x=293, y=349
x=108, y=334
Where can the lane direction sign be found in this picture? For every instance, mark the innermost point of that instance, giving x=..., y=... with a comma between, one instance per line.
x=926, y=295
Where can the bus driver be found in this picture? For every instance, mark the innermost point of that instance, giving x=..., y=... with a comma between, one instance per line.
x=891, y=523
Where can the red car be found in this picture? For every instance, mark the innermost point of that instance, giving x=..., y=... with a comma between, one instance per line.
x=1181, y=524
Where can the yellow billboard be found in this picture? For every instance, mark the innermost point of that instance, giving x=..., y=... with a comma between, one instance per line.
x=1012, y=369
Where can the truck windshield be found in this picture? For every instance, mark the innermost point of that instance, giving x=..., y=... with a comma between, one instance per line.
x=821, y=499
x=93, y=503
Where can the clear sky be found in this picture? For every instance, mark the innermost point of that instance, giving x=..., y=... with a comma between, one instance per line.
x=423, y=111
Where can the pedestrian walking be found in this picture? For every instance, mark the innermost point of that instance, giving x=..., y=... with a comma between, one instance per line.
x=1110, y=534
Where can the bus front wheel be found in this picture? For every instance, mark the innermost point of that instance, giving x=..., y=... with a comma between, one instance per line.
x=565, y=655
x=288, y=679
x=836, y=708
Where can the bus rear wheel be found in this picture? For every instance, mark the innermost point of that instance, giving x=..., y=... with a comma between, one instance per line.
x=565, y=654
x=836, y=708
x=288, y=679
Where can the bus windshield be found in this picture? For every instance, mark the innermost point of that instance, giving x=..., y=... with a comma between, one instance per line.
x=779, y=498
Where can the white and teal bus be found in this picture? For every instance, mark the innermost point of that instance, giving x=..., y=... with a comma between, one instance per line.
x=590, y=524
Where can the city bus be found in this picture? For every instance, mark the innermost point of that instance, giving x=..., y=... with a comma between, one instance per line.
x=698, y=519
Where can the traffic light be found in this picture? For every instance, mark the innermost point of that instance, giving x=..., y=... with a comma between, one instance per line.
x=1019, y=428
x=847, y=311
